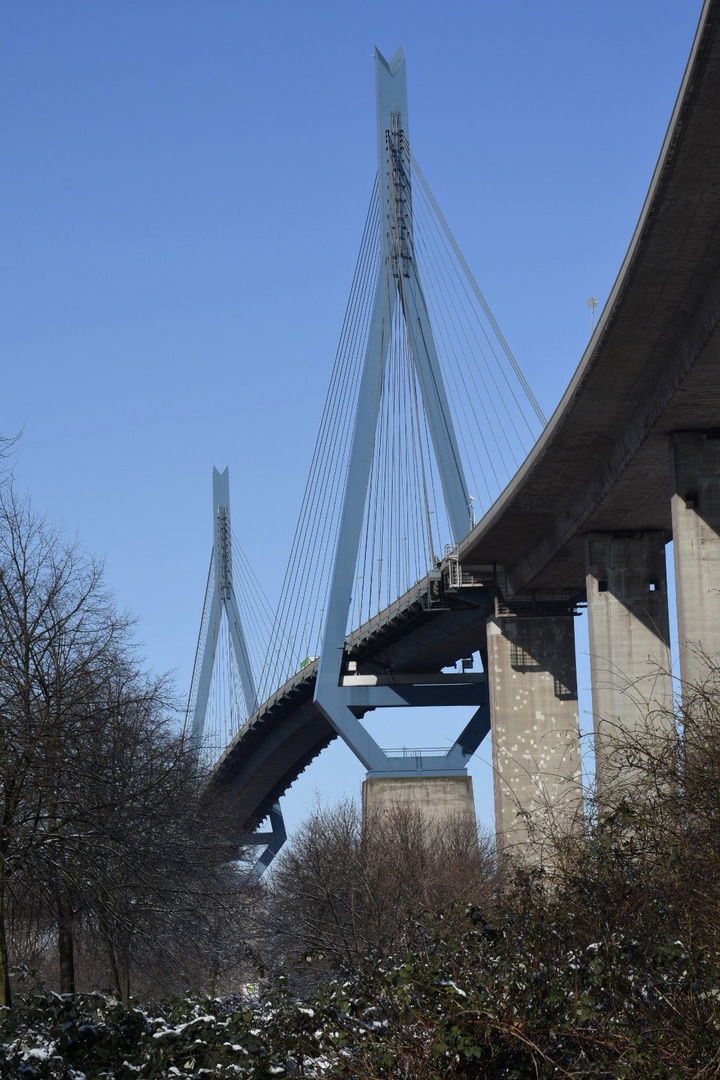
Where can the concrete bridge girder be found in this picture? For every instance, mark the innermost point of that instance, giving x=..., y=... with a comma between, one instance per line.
x=651, y=368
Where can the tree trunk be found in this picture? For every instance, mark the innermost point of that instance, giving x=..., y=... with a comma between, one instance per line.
x=66, y=953
x=124, y=965
x=112, y=966
x=5, y=990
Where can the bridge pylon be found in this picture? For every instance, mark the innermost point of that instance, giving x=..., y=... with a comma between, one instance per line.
x=345, y=690
x=221, y=602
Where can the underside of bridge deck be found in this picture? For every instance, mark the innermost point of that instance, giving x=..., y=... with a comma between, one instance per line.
x=651, y=368
x=288, y=731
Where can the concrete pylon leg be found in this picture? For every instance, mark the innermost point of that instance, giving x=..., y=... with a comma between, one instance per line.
x=535, y=733
x=629, y=631
x=695, y=480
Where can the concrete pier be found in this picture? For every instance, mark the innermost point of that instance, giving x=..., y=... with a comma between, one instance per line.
x=632, y=692
x=535, y=732
x=695, y=485
x=436, y=798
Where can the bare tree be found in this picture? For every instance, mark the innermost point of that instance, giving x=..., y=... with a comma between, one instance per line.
x=101, y=837
x=59, y=631
x=346, y=888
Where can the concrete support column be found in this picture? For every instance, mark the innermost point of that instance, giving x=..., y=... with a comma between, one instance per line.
x=695, y=486
x=435, y=798
x=632, y=691
x=535, y=732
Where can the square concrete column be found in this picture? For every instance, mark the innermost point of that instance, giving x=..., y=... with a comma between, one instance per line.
x=535, y=733
x=632, y=691
x=695, y=486
x=437, y=799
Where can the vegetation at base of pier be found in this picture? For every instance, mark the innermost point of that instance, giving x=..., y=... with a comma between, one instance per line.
x=518, y=997
x=394, y=963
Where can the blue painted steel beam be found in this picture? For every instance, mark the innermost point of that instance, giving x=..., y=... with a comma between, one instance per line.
x=207, y=661
x=419, y=694
x=272, y=840
x=328, y=694
x=477, y=728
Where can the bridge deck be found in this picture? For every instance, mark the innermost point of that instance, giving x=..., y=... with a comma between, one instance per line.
x=650, y=368
x=425, y=630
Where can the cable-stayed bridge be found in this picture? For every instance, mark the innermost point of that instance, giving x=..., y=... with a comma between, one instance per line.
x=395, y=595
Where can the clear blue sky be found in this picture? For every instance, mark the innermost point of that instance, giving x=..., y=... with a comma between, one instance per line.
x=183, y=190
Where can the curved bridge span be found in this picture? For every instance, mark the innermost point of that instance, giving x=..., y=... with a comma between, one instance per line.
x=650, y=369
x=607, y=463
x=432, y=626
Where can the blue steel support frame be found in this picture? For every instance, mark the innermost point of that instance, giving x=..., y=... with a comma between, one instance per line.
x=397, y=282
x=222, y=598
